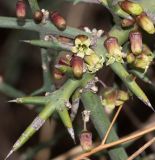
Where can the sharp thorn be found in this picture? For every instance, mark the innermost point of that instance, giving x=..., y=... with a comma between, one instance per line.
x=25, y=41
x=9, y=154
x=12, y=101
x=71, y=132
x=149, y=105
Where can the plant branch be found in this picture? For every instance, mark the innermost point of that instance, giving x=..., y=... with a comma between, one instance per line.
x=133, y=136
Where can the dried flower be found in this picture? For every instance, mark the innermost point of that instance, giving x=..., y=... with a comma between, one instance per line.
x=131, y=7
x=94, y=62
x=21, y=9
x=58, y=20
x=146, y=23
x=77, y=66
x=127, y=22
x=38, y=16
x=114, y=50
x=143, y=61
x=86, y=140
x=112, y=97
x=45, y=16
x=136, y=42
x=82, y=44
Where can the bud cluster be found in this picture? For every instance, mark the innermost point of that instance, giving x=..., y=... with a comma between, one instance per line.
x=113, y=97
x=138, y=15
x=41, y=16
x=68, y=64
x=140, y=56
x=82, y=49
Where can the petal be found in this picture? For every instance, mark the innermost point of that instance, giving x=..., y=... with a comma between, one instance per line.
x=87, y=42
x=77, y=41
x=80, y=54
x=74, y=49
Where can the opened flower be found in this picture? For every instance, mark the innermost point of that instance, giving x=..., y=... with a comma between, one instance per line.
x=94, y=62
x=82, y=44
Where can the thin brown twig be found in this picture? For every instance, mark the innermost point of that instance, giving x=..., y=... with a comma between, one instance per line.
x=140, y=150
x=133, y=136
x=111, y=125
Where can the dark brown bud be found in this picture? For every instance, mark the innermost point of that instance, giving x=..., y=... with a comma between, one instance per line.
x=131, y=7
x=20, y=9
x=86, y=140
x=136, y=42
x=58, y=20
x=38, y=16
x=127, y=22
x=77, y=66
x=57, y=74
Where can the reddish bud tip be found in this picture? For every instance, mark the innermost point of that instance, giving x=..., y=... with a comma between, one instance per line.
x=77, y=66
x=64, y=60
x=20, y=9
x=58, y=20
x=136, y=42
x=86, y=140
x=38, y=16
x=131, y=7
x=57, y=74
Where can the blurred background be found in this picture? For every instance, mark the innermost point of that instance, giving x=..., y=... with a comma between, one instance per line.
x=20, y=67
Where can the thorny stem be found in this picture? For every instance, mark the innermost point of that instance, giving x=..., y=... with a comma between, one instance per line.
x=133, y=136
x=111, y=125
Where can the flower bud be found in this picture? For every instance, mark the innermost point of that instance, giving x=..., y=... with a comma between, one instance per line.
x=136, y=42
x=112, y=46
x=127, y=22
x=77, y=66
x=143, y=61
x=58, y=20
x=94, y=62
x=146, y=23
x=131, y=7
x=64, y=60
x=20, y=9
x=57, y=74
x=86, y=140
x=38, y=16
x=130, y=58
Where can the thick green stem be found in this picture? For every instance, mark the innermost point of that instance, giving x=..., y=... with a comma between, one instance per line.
x=34, y=5
x=101, y=122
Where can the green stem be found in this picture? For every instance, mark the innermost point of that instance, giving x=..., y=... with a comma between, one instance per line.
x=101, y=122
x=34, y=5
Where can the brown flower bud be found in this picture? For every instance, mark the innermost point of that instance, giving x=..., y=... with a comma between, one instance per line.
x=112, y=46
x=86, y=140
x=130, y=58
x=77, y=66
x=57, y=74
x=38, y=16
x=131, y=7
x=127, y=22
x=58, y=20
x=20, y=9
x=146, y=23
x=136, y=42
